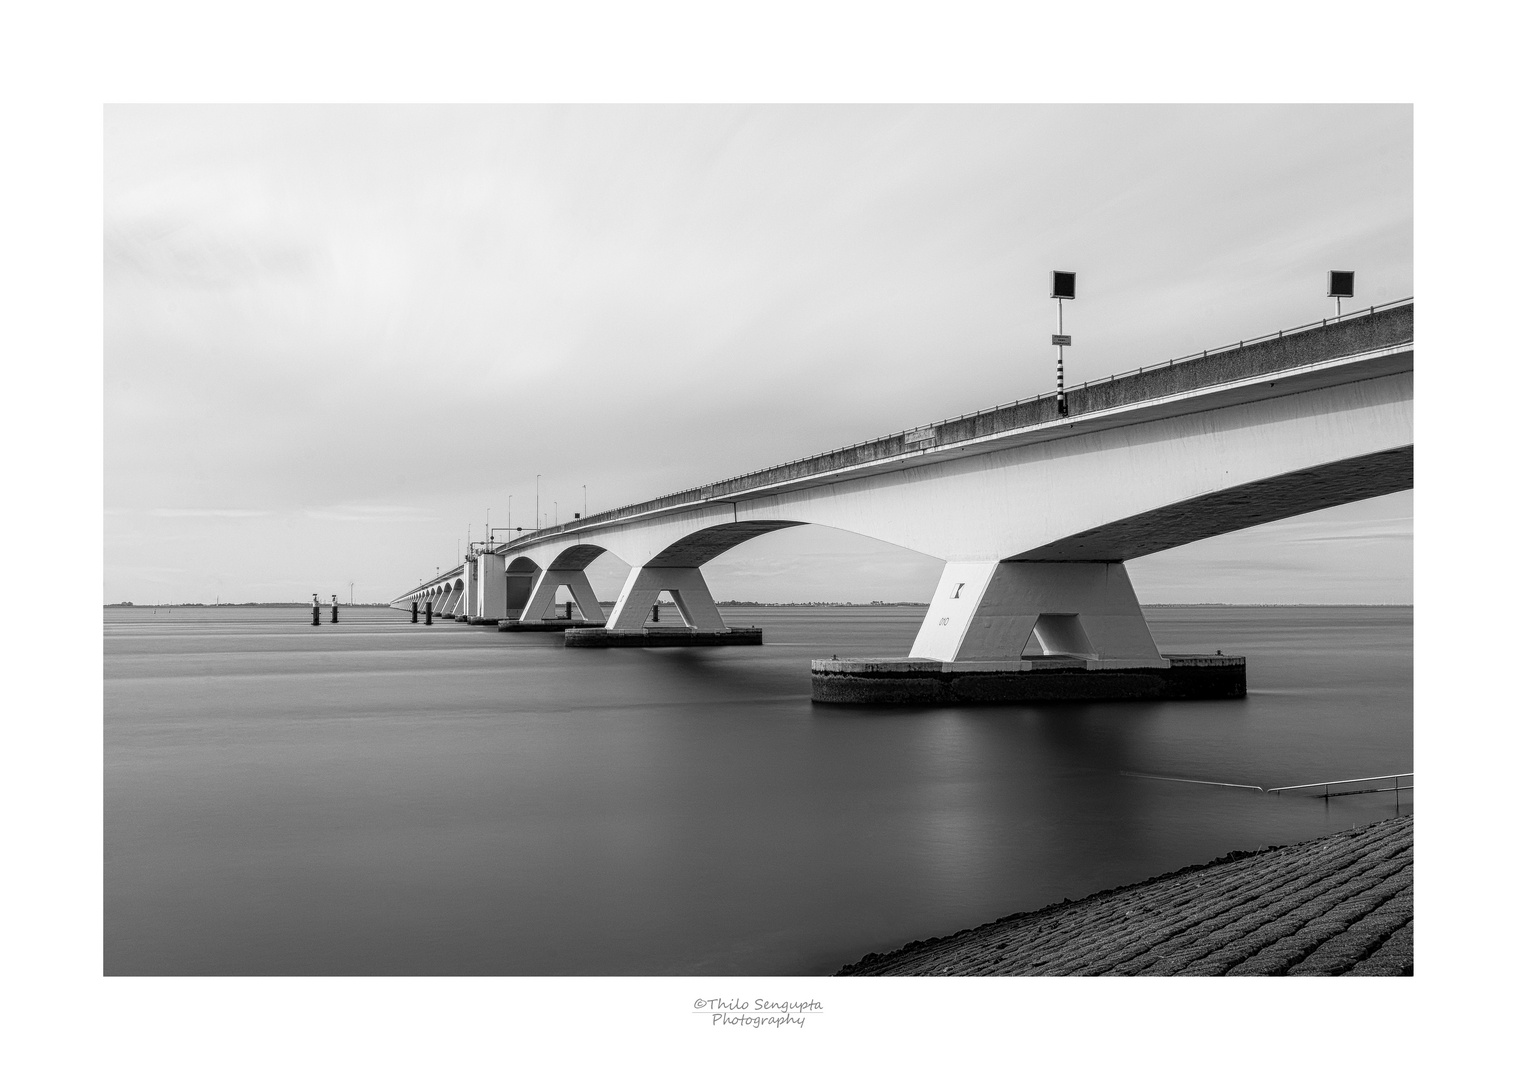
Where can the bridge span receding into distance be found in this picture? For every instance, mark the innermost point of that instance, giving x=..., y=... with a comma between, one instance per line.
x=1034, y=513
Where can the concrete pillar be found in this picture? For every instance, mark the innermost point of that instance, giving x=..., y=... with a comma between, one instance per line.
x=684, y=583
x=540, y=603
x=467, y=608
x=1008, y=610
x=492, y=586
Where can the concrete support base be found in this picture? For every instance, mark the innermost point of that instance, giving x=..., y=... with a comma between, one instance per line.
x=550, y=626
x=483, y=622
x=660, y=638
x=910, y=681
x=684, y=583
x=1020, y=610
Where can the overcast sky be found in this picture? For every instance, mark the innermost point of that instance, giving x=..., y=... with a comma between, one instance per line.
x=335, y=336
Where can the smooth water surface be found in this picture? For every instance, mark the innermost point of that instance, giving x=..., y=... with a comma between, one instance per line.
x=381, y=798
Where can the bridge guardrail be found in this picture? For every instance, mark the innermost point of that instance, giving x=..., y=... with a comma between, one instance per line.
x=1327, y=785
x=1378, y=326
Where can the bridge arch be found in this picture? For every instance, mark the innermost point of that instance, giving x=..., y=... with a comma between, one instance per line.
x=577, y=557
x=703, y=545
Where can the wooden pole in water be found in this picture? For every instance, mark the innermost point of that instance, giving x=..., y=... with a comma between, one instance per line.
x=315, y=610
x=414, y=609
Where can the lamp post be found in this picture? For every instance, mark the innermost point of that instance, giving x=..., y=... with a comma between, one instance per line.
x=537, y=522
x=1061, y=288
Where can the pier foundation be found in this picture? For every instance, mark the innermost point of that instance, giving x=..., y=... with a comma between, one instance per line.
x=914, y=681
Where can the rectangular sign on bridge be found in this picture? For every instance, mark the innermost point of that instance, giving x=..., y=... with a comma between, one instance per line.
x=1062, y=339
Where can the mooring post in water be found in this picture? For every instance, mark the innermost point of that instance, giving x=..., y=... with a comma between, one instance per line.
x=414, y=608
x=334, y=607
x=655, y=611
x=568, y=609
x=315, y=610
x=429, y=613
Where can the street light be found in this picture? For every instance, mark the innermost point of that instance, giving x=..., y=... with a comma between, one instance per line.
x=1061, y=287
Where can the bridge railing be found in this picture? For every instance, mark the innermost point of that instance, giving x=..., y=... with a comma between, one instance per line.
x=1378, y=326
x=1397, y=782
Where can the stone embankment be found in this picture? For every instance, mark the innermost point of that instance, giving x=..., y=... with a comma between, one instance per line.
x=1340, y=905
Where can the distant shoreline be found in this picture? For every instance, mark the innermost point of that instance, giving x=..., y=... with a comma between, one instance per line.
x=270, y=604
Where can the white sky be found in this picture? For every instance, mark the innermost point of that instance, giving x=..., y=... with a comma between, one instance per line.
x=335, y=336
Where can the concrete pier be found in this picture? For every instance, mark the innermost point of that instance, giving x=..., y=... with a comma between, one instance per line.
x=660, y=638
x=546, y=626
x=912, y=681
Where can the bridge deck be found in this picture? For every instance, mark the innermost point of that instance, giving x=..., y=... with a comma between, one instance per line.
x=1377, y=328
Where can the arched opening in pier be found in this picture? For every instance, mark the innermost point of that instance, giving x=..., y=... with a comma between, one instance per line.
x=1058, y=634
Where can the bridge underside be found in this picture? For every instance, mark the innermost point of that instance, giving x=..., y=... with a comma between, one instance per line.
x=701, y=547
x=1241, y=507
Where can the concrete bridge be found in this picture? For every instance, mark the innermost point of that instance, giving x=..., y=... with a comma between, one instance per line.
x=1033, y=512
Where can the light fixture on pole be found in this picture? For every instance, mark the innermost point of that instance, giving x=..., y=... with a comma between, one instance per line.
x=1340, y=283
x=1061, y=287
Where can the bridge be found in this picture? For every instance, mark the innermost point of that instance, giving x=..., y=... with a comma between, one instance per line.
x=1033, y=510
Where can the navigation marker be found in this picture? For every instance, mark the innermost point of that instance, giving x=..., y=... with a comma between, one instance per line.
x=1340, y=283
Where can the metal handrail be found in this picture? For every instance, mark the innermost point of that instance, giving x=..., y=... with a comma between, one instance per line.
x=696, y=494
x=1325, y=784
x=1184, y=780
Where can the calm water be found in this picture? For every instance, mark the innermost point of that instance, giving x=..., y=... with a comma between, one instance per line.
x=378, y=798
